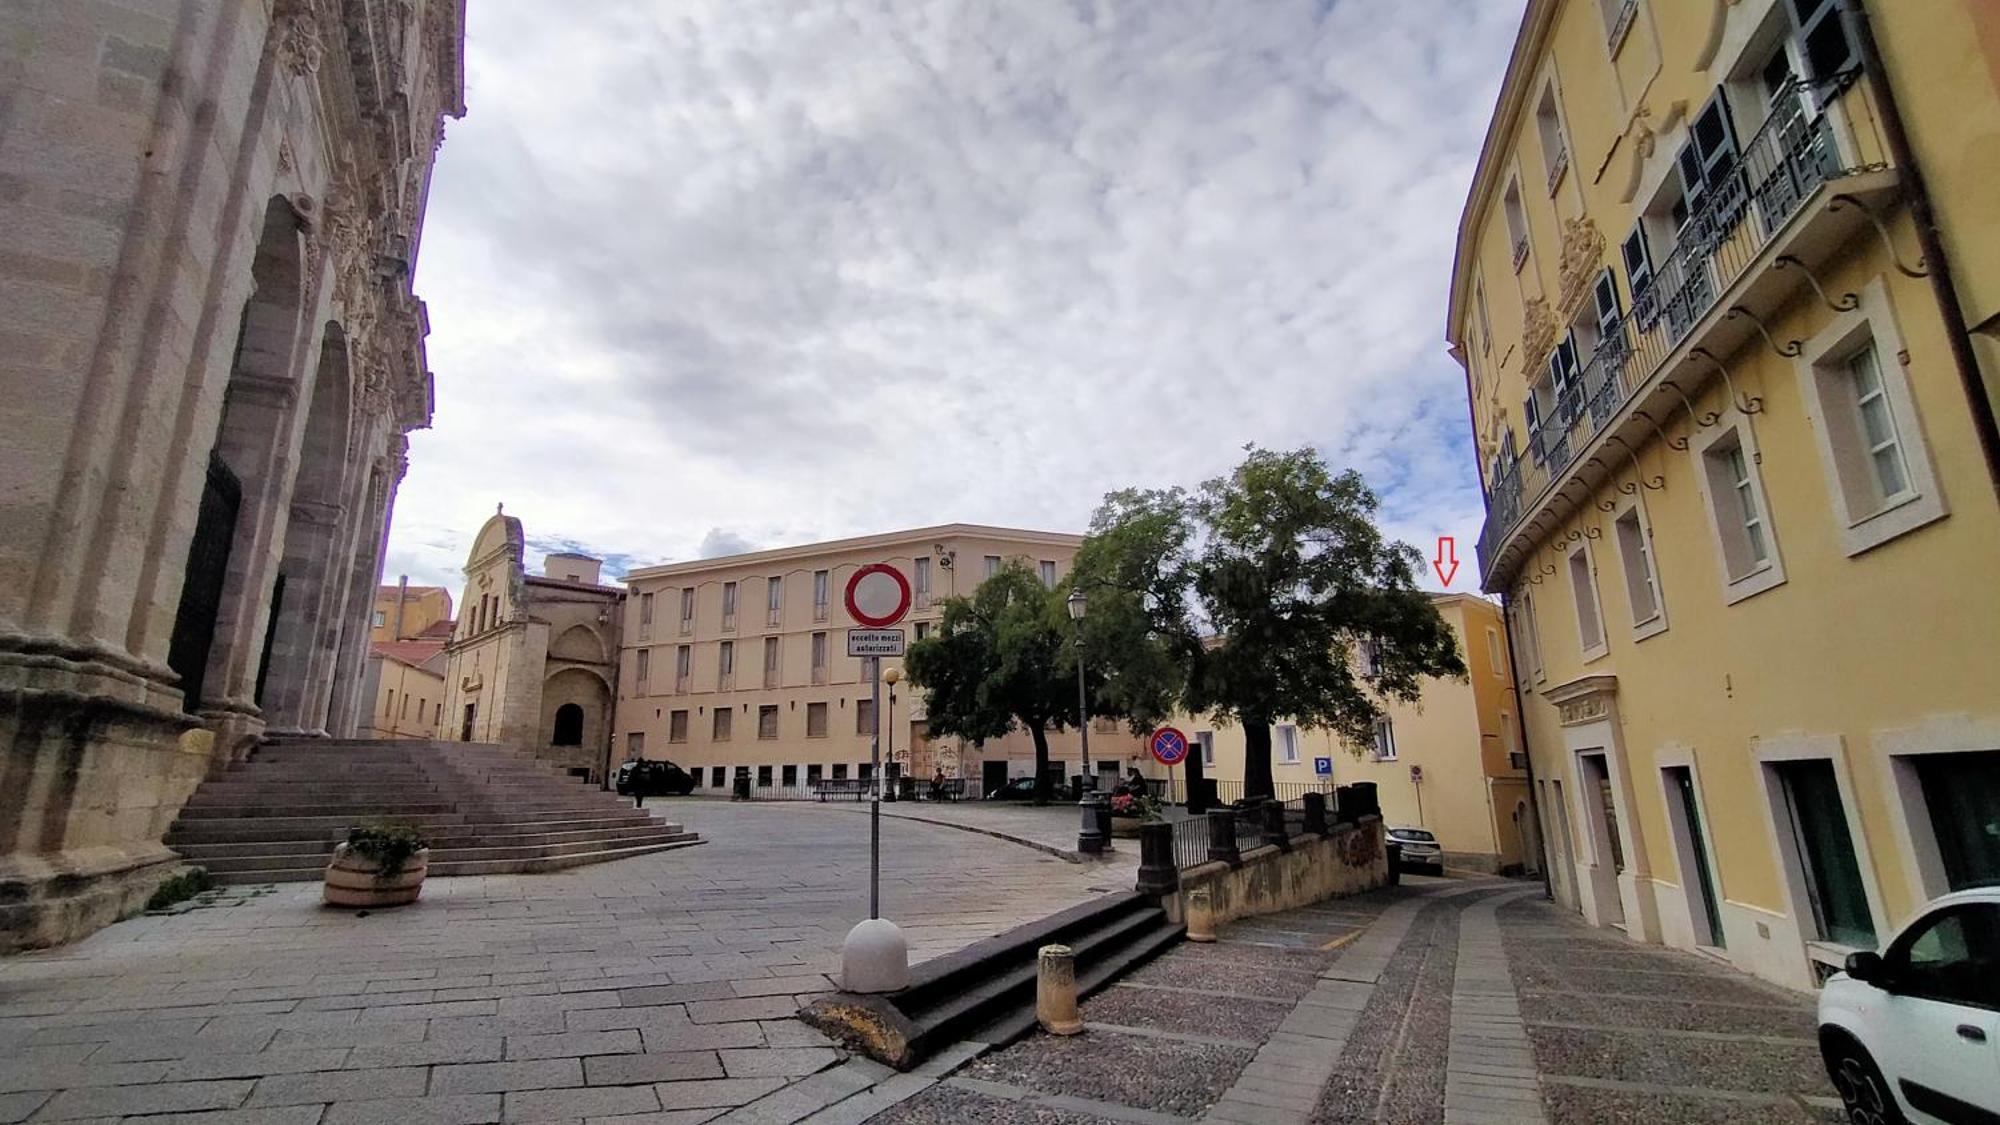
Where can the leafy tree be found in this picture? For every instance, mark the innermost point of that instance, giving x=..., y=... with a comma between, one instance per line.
x=998, y=662
x=1280, y=567
x=1131, y=567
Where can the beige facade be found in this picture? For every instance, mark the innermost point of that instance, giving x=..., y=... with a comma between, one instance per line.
x=404, y=612
x=1450, y=762
x=1726, y=294
x=532, y=661
x=211, y=352
x=407, y=689
x=741, y=662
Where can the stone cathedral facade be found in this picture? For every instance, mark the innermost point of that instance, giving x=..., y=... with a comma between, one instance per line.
x=210, y=353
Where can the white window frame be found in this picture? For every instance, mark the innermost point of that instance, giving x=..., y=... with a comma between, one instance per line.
x=1758, y=578
x=774, y=662
x=1619, y=16
x=1047, y=569
x=642, y=665
x=822, y=593
x=1631, y=510
x=1206, y=739
x=1768, y=752
x=1385, y=739
x=725, y=665
x=687, y=609
x=819, y=657
x=1520, y=242
x=1531, y=636
x=1823, y=373
x=1288, y=743
x=729, y=605
x=1495, y=655
x=1592, y=641
x=1556, y=163
x=921, y=578
x=1485, y=318
x=993, y=564
x=774, y=600
x=683, y=668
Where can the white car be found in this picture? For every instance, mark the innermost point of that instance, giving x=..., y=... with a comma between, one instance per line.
x=1420, y=849
x=1913, y=1033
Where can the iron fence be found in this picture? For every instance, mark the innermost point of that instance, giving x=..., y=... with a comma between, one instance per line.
x=1747, y=204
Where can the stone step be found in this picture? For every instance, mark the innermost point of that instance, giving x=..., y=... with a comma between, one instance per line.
x=288, y=854
x=250, y=830
x=312, y=873
x=453, y=838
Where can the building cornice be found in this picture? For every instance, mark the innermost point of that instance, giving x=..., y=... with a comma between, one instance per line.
x=836, y=546
x=1530, y=44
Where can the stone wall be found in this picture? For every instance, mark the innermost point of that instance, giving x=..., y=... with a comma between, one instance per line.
x=1311, y=868
x=213, y=351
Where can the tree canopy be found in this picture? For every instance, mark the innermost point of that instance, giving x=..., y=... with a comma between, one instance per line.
x=1262, y=586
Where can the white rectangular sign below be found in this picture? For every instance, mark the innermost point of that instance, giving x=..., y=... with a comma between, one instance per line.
x=874, y=642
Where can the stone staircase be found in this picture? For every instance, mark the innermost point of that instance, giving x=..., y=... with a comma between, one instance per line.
x=487, y=809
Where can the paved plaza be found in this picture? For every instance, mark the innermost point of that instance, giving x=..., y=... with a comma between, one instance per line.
x=661, y=990
x=1470, y=1002
x=658, y=985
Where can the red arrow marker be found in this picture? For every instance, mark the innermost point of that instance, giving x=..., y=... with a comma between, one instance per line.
x=1446, y=562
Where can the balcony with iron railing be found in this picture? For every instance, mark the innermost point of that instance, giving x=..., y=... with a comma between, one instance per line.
x=1792, y=202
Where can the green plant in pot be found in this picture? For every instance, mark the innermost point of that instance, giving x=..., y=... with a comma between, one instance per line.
x=378, y=865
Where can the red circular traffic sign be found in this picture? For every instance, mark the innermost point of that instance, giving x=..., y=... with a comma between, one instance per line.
x=1169, y=746
x=878, y=595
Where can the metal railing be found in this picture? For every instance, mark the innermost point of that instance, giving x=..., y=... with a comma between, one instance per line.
x=1789, y=156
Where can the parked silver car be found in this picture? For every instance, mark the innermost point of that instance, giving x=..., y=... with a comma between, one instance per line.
x=1420, y=849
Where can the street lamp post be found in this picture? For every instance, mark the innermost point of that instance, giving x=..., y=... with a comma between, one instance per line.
x=892, y=677
x=1093, y=837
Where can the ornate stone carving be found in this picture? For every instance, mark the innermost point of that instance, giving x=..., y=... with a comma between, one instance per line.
x=1582, y=258
x=299, y=44
x=286, y=161
x=1539, y=331
x=1583, y=710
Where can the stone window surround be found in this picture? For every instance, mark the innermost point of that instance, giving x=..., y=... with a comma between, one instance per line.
x=1792, y=746
x=1656, y=624
x=1909, y=814
x=1872, y=321
x=1772, y=573
x=1593, y=651
x=1587, y=710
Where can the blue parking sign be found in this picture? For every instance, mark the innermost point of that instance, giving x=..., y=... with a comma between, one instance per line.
x=1323, y=767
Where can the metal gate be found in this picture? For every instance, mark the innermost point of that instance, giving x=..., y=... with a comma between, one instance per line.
x=201, y=588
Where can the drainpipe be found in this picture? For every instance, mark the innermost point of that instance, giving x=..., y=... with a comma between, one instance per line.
x=1527, y=755
x=1917, y=196
x=402, y=592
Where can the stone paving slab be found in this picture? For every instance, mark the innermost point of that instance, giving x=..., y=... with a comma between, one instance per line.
x=657, y=988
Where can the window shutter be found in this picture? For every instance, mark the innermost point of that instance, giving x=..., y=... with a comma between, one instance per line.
x=1823, y=39
x=1639, y=276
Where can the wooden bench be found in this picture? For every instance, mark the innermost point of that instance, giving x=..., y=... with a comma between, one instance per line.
x=840, y=787
x=950, y=789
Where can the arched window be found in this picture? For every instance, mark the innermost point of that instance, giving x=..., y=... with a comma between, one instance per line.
x=569, y=726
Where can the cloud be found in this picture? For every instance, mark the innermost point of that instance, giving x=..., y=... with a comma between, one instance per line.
x=718, y=543
x=808, y=271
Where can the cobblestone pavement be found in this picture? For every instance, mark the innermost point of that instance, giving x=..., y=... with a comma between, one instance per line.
x=1461, y=1000
x=657, y=989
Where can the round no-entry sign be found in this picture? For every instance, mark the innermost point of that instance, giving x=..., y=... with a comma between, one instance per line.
x=878, y=596
x=1168, y=745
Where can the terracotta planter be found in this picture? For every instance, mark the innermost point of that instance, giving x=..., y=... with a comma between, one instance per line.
x=353, y=880
x=1127, y=827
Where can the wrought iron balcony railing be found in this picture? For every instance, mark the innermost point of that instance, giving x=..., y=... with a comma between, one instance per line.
x=1775, y=172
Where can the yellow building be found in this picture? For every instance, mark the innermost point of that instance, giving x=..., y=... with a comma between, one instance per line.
x=403, y=612
x=406, y=681
x=741, y=663
x=1740, y=465
x=1450, y=763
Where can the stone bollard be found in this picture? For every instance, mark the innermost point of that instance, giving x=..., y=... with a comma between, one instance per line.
x=1055, y=990
x=1316, y=814
x=1222, y=838
x=1159, y=874
x=1272, y=826
x=1200, y=915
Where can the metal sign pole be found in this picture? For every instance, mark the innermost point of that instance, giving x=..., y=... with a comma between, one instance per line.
x=875, y=790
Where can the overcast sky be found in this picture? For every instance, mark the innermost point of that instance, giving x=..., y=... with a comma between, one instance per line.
x=715, y=275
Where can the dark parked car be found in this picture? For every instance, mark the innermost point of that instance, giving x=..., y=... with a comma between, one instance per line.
x=1016, y=789
x=653, y=777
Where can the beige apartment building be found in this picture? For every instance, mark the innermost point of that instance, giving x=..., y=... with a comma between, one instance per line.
x=404, y=612
x=405, y=679
x=741, y=663
x=1450, y=762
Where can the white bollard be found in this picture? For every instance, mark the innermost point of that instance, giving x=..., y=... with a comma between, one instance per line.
x=874, y=958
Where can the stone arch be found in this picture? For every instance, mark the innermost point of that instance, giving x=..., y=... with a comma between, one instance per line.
x=312, y=566
x=567, y=730
x=579, y=643
x=224, y=593
x=584, y=690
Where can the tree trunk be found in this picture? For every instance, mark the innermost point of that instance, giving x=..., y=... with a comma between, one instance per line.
x=1257, y=759
x=1041, y=763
